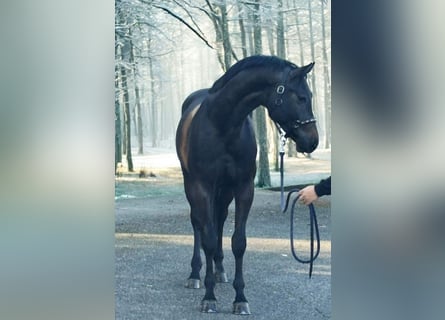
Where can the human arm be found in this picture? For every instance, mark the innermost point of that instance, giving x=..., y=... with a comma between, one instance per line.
x=323, y=188
x=311, y=193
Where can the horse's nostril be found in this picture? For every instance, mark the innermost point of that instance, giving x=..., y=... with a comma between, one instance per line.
x=314, y=145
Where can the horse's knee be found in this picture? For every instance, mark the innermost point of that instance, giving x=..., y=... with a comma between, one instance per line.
x=238, y=244
x=209, y=241
x=219, y=254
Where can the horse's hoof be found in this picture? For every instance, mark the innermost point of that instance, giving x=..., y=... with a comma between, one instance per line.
x=193, y=284
x=208, y=306
x=221, y=277
x=241, y=308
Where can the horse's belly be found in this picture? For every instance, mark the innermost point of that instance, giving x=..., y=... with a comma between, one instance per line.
x=232, y=172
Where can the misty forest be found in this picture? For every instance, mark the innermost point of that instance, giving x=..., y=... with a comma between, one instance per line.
x=166, y=49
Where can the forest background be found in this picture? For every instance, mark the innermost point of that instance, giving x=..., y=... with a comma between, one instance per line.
x=164, y=50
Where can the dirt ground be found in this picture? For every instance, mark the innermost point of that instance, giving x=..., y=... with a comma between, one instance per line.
x=154, y=244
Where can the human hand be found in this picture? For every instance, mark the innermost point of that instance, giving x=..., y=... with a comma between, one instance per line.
x=308, y=195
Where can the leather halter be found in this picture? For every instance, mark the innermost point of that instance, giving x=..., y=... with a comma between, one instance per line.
x=279, y=91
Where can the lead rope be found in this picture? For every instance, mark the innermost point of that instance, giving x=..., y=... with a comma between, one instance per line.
x=313, y=229
x=282, y=143
x=312, y=215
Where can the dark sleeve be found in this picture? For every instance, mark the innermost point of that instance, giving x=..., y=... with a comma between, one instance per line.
x=323, y=188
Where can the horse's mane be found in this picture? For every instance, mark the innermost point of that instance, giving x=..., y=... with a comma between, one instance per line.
x=250, y=62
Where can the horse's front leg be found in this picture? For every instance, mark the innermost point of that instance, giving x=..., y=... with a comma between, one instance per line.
x=243, y=202
x=203, y=221
x=221, y=210
x=205, y=236
x=220, y=274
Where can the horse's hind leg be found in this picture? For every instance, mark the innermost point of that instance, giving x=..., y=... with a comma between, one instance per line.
x=209, y=244
x=205, y=235
x=194, y=280
x=243, y=202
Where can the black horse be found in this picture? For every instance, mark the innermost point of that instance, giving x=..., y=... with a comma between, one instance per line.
x=216, y=146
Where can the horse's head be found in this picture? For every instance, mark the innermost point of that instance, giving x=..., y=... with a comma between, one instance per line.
x=290, y=106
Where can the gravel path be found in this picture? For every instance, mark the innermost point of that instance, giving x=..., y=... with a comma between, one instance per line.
x=154, y=244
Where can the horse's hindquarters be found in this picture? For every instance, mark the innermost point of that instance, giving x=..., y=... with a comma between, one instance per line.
x=183, y=136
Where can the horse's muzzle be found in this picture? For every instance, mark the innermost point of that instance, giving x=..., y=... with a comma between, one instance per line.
x=307, y=148
x=306, y=138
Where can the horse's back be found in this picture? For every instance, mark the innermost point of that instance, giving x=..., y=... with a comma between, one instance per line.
x=232, y=157
x=194, y=99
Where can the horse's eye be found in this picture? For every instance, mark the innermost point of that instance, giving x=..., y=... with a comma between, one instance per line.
x=302, y=99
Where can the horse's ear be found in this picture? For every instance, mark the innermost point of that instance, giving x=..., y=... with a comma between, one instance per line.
x=308, y=68
x=302, y=71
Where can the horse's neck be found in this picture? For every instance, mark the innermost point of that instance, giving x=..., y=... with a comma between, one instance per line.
x=229, y=106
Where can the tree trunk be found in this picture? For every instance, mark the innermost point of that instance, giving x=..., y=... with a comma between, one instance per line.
x=139, y=121
x=270, y=40
x=127, y=119
x=137, y=111
x=225, y=36
x=291, y=148
x=260, y=115
x=216, y=20
x=242, y=29
x=327, y=81
x=122, y=111
x=300, y=38
x=154, y=113
x=312, y=76
x=281, y=52
x=276, y=145
x=117, y=112
x=117, y=131
x=162, y=124
x=263, y=163
x=119, y=55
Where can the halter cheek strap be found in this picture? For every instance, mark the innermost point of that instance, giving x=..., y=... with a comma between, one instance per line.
x=281, y=88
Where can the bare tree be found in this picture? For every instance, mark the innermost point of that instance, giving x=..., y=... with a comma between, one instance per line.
x=225, y=35
x=300, y=38
x=137, y=112
x=281, y=45
x=117, y=112
x=241, y=18
x=312, y=75
x=154, y=110
x=260, y=115
x=326, y=78
x=176, y=46
x=123, y=50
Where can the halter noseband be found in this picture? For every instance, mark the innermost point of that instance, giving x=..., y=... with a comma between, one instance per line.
x=299, y=123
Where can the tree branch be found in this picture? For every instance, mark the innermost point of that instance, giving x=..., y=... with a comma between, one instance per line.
x=208, y=14
x=189, y=15
x=185, y=23
x=234, y=55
